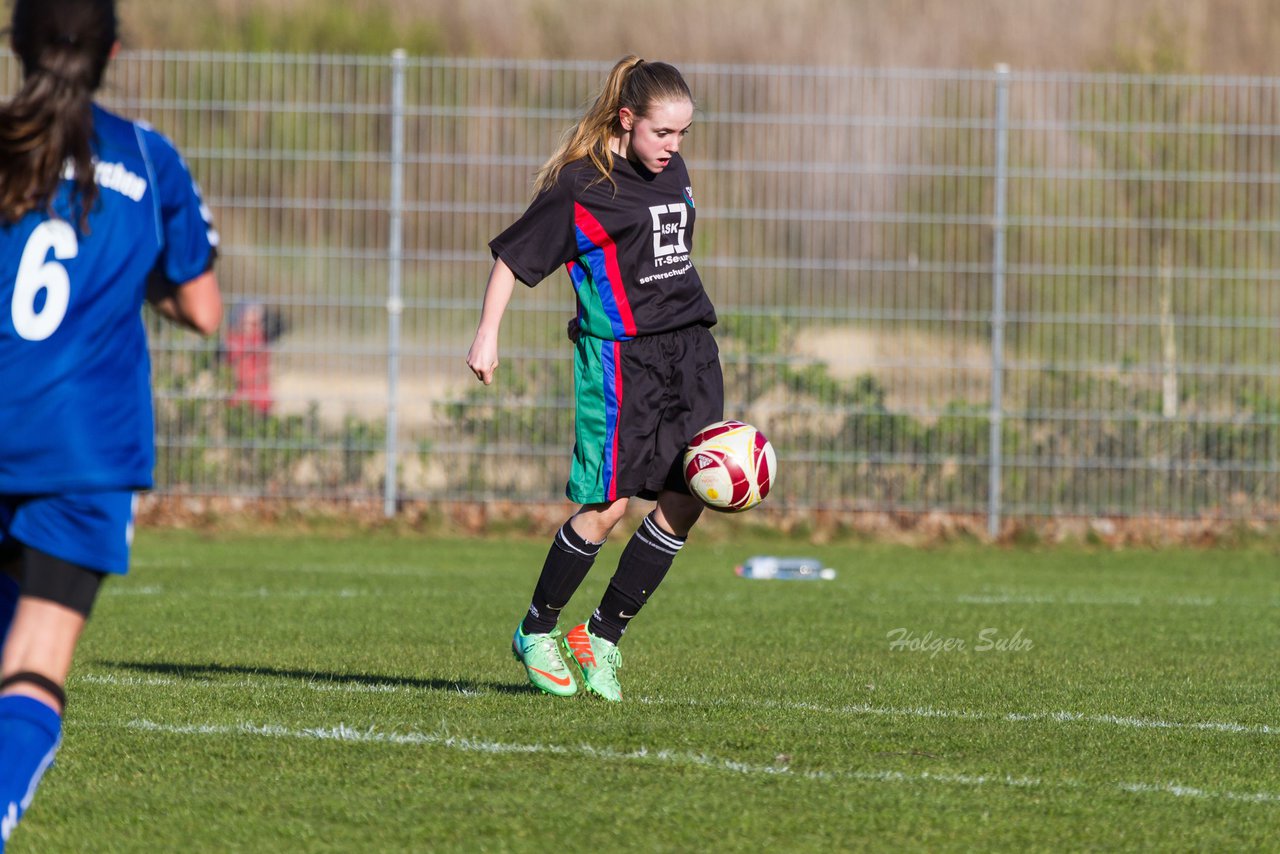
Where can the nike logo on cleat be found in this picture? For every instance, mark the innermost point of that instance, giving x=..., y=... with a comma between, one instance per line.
x=562, y=681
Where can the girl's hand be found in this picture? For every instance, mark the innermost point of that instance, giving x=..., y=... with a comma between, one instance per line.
x=482, y=358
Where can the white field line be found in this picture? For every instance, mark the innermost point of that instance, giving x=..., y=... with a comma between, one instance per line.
x=852, y=710
x=424, y=572
x=406, y=570
x=152, y=562
x=351, y=735
x=859, y=710
x=133, y=590
x=255, y=593
x=1190, y=600
x=1192, y=792
x=1041, y=599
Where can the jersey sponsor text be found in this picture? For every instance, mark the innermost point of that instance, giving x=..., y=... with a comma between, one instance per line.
x=112, y=176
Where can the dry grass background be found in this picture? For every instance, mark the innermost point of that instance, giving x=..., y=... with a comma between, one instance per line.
x=1199, y=36
x=1194, y=36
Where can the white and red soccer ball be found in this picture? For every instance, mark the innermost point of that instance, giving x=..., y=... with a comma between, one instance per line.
x=730, y=466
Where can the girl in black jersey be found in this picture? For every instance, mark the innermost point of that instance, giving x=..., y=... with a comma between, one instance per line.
x=615, y=207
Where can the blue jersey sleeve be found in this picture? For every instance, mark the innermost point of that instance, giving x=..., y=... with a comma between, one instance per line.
x=188, y=238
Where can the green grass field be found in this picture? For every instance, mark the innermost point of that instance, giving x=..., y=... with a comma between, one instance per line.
x=357, y=693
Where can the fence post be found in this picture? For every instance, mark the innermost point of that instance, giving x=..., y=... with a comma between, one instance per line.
x=395, y=252
x=996, y=416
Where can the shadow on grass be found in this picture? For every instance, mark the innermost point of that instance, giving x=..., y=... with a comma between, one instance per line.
x=195, y=671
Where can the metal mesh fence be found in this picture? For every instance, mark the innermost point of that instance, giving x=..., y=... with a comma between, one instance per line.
x=1002, y=293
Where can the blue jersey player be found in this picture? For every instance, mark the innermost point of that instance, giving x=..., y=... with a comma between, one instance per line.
x=98, y=215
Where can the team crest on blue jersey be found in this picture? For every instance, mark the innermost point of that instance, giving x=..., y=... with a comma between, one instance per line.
x=688, y=196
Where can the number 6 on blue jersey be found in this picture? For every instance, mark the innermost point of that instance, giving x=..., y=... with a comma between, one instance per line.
x=36, y=273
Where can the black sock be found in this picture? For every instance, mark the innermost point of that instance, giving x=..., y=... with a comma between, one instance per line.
x=567, y=563
x=643, y=565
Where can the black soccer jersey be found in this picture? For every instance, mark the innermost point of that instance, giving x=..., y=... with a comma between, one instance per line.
x=627, y=252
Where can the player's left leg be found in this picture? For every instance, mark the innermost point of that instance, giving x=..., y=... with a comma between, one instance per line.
x=645, y=561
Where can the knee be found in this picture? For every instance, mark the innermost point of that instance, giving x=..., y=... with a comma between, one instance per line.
x=594, y=521
x=678, y=513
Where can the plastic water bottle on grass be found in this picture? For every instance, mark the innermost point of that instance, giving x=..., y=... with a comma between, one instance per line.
x=775, y=568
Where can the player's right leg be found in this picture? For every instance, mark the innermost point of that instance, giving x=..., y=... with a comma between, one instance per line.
x=543, y=662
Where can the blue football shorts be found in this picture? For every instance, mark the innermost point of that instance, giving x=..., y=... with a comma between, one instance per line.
x=93, y=530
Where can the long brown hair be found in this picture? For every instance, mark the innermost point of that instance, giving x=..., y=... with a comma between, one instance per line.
x=634, y=84
x=64, y=46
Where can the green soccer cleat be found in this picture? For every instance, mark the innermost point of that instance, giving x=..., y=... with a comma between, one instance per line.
x=599, y=661
x=546, y=667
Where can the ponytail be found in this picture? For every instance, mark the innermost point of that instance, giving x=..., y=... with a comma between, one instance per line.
x=632, y=83
x=46, y=125
x=46, y=130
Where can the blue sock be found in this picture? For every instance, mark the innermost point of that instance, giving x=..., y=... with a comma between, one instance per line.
x=29, y=736
x=9, y=591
